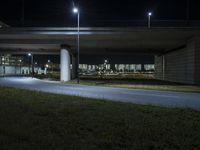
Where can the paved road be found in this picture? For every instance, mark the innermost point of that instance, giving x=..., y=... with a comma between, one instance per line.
x=161, y=98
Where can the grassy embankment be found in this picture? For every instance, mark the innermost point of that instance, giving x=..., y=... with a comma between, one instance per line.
x=145, y=84
x=132, y=81
x=36, y=120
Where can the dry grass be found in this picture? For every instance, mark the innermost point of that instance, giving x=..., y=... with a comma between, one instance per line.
x=35, y=120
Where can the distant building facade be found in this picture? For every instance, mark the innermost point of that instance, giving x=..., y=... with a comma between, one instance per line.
x=10, y=65
x=117, y=68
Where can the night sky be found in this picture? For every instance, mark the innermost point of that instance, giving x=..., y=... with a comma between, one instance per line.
x=58, y=13
x=93, y=12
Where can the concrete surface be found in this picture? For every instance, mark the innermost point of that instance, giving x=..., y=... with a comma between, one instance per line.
x=160, y=98
x=181, y=65
x=104, y=40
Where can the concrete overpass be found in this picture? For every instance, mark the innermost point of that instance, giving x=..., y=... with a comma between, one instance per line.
x=3, y=25
x=176, y=50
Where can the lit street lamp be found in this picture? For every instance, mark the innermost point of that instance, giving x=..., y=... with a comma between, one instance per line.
x=32, y=65
x=105, y=63
x=149, y=19
x=20, y=66
x=76, y=11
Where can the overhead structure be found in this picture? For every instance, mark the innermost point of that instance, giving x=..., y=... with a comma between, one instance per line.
x=3, y=25
x=176, y=50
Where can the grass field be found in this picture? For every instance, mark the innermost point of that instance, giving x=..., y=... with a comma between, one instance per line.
x=42, y=121
x=132, y=81
x=146, y=84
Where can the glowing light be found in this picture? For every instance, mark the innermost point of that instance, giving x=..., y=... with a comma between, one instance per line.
x=150, y=13
x=29, y=54
x=75, y=10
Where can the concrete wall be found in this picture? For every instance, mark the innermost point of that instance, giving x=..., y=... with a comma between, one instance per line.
x=1, y=70
x=181, y=66
x=10, y=70
x=159, y=67
x=197, y=61
x=17, y=70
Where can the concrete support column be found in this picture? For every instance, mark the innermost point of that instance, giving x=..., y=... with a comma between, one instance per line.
x=64, y=65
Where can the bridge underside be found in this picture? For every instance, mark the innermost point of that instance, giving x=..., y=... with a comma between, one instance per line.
x=176, y=50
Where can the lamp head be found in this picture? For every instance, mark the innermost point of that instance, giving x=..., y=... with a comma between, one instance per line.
x=149, y=13
x=75, y=10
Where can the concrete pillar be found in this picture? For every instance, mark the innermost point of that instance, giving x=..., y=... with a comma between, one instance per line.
x=64, y=65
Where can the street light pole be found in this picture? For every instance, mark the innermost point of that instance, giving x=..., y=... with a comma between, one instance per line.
x=23, y=8
x=76, y=11
x=149, y=19
x=32, y=65
x=78, y=48
x=188, y=13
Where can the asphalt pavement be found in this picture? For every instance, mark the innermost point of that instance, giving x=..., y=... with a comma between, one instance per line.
x=148, y=97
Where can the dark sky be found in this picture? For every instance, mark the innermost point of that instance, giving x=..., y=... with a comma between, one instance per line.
x=93, y=12
x=58, y=13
